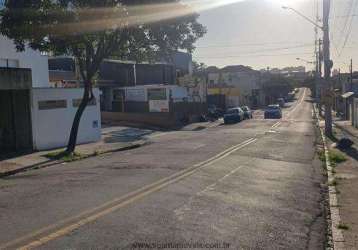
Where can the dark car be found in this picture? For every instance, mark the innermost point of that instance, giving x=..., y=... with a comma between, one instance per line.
x=215, y=112
x=234, y=115
x=247, y=112
x=281, y=102
x=273, y=112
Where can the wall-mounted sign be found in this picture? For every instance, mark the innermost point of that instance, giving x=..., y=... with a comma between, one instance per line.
x=158, y=106
x=136, y=95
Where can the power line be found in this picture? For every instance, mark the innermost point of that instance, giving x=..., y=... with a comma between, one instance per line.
x=347, y=13
x=278, y=49
x=349, y=31
x=252, y=56
x=247, y=44
x=353, y=15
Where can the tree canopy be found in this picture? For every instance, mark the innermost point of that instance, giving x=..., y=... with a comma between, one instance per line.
x=93, y=30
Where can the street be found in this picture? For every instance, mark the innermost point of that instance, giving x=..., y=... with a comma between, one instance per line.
x=251, y=185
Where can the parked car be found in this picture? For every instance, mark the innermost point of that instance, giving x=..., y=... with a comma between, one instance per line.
x=234, y=115
x=281, y=102
x=247, y=112
x=215, y=112
x=291, y=96
x=273, y=112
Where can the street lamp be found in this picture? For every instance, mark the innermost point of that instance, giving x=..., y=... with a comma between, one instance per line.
x=304, y=60
x=326, y=58
x=303, y=16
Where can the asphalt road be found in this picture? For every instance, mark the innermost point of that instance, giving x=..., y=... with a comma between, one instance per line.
x=252, y=185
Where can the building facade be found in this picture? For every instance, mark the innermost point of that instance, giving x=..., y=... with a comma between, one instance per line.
x=239, y=84
x=35, y=116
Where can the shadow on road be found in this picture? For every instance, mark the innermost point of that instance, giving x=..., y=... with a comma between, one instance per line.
x=126, y=135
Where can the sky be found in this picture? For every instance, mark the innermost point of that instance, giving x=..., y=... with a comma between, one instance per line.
x=261, y=34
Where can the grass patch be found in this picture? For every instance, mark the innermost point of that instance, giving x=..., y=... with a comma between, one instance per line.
x=333, y=183
x=336, y=157
x=63, y=156
x=321, y=155
x=343, y=226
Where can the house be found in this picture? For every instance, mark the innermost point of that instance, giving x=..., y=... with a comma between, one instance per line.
x=349, y=97
x=63, y=72
x=114, y=74
x=297, y=73
x=29, y=59
x=240, y=85
x=33, y=115
x=183, y=63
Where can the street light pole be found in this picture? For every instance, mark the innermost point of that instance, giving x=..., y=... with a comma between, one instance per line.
x=304, y=60
x=327, y=62
x=327, y=68
x=303, y=16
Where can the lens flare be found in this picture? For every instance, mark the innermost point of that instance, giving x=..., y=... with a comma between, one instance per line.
x=98, y=19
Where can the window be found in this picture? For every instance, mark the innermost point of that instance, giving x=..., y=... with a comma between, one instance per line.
x=76, y=102
x=52, y=104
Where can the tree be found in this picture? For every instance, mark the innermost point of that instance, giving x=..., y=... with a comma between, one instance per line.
x=199, y=69
x=92, y=30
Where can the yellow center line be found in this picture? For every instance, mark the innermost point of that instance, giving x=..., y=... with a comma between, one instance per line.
x=68, y=225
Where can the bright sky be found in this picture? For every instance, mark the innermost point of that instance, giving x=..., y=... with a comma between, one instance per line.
x=260, y=34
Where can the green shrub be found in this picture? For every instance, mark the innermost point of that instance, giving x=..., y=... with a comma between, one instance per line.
x=336, y=157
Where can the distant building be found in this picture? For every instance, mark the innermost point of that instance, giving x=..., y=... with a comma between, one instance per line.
x=114, y=74
x=183, y=63
x=239, y=84
x=298, y=73
x=346, y=98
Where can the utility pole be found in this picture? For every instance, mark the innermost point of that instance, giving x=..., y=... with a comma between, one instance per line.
x=327, y=69
x=351, y=73
x=319, y=102
x=320, y=57
x=317, y=54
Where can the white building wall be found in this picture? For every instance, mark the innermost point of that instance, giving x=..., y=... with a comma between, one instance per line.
x=28, y=59
x=51, y=128
x=213, y=78
x=355, y=113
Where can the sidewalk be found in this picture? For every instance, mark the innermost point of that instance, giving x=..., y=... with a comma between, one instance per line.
x=115, y=138
x=347, y=184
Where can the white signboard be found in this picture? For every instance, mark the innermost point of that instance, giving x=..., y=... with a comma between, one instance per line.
x=137, y=95
x=158, y=106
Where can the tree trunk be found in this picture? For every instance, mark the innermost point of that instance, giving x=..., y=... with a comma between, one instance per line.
x=76, y=122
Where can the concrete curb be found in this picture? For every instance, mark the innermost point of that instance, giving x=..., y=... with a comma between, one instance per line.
x=337, y=235
x=50, y=163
